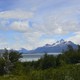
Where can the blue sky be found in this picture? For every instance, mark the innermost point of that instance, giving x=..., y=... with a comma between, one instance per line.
x=32, y=23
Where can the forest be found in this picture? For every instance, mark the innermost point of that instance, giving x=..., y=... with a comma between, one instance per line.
x=65, y=66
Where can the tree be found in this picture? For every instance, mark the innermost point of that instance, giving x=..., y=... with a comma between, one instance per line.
x=71, y=56
x=47, y=61
x=2, y=64
x=10, y=57
x=14, y=56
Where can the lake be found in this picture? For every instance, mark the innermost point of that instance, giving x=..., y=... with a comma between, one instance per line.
x=34, y=57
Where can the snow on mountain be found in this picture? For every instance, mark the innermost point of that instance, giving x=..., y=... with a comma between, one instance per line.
x=56, y=47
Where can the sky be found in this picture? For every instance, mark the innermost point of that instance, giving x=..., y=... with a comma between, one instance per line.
x=32, y=23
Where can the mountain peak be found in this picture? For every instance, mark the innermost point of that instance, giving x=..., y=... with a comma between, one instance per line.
x=62, y=40
x=56, y=43
x=47, y=45
x=23, y=50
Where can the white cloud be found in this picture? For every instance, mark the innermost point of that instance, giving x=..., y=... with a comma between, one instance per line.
x=46, y=41
x=16, y=14
x=62, y=21
x=32, y=39
x=75, y=38
x=20, y=26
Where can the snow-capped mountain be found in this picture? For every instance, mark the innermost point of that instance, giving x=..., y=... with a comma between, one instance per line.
x=56, y=47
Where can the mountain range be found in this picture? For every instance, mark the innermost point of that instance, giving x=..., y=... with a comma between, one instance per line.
x=56, y=47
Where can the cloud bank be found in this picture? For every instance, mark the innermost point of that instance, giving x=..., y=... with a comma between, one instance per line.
x=27, y=24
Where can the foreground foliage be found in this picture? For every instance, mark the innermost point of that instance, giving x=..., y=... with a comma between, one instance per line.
x=68, y=72
x=65, y=66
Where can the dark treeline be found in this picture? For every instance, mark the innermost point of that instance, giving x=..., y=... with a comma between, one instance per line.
x=65, y=66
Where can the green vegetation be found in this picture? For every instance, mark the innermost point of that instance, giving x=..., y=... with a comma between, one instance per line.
x=65, y=66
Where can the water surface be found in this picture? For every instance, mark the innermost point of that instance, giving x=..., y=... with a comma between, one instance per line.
x=34, y=57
